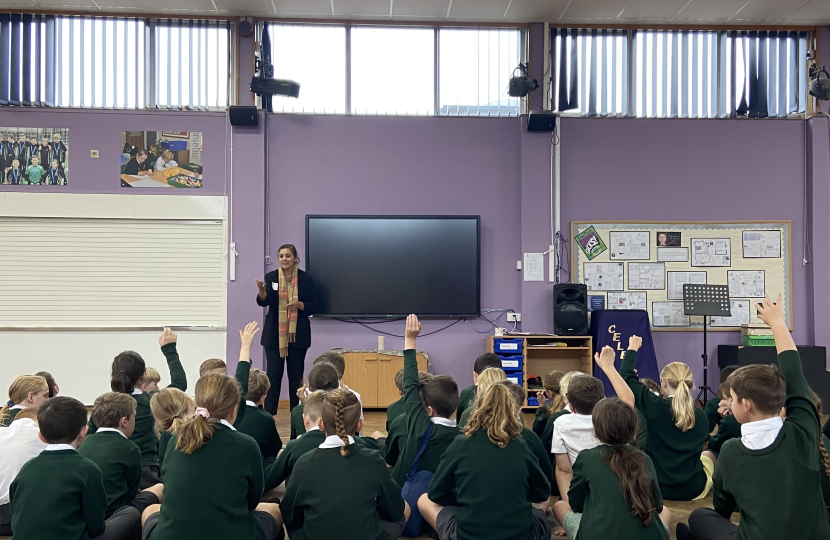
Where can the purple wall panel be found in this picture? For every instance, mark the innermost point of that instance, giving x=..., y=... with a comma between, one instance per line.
x=101, y=130
x=689, y=170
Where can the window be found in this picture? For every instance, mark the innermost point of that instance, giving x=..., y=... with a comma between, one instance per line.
x=366, y=69
x=113, y=62
x=684, y=73
x=315, y=57
x=476, y=64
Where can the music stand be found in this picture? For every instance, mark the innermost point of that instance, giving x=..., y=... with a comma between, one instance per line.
x=706, y=301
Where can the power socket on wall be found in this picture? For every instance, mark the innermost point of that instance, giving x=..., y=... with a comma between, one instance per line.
x=514, y=317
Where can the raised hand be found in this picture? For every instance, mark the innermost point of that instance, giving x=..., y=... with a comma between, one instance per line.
x=605, y=359
x=167, y=336
x=634, y=343
x=541, y=397
x=413, y=327
x=262, y=292
x=247, y=335
x=769, y=312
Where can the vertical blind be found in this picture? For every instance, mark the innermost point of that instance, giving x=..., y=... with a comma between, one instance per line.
x=679, y=74
x=114, y=62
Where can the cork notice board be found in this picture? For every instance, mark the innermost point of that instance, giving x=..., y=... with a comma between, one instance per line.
x=643, y=265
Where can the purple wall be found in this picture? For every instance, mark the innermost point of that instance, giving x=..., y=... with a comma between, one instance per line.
x=690, y=170
x=101, y=130
x=393, y=165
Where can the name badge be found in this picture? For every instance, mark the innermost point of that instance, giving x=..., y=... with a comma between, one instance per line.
x=275, y=286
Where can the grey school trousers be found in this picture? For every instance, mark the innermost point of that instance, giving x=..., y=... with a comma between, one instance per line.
x=706, y=524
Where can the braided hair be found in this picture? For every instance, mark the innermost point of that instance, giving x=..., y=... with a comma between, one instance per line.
x=341, y=414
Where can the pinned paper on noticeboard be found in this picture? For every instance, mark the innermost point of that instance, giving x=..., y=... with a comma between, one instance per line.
x=590, y=243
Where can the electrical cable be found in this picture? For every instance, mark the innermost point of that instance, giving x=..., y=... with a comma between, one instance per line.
x=367, y=322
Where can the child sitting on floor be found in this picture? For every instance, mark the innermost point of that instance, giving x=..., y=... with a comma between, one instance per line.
x=534, y=444
x=676, y=428
x=712, y=406
x=59, y=493
x=344, y=490
x=213, y=475
x=323, y=376
x=574, y=432
x=213, y=365
x=728, y=426
x=151, y=380
x=257, y=422
x=118, y=457
x=26, y=391
x=773, y=456
x=19, y=443
x=614, y=491
x=549, y=399
x=487, y=377
x=395, y=440
x=335, y=359
x=561, y=403
x=488, y=484
x=486, y=360
x=395, y=409
x=54, y=390
x=171, y=408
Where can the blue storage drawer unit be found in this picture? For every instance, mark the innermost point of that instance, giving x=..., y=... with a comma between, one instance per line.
x=517, y=377
x=174, y=145
x=511, y=362
x=507, y=345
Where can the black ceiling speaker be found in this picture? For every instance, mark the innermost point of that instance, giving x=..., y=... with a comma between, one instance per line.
x=570, y=309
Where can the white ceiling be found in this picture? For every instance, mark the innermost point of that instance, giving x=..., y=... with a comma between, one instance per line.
x=681, y=12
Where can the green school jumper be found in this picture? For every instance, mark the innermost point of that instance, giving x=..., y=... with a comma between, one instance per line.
x=728, y=428
x=393, y=411
x=547, y=435
x=675, y=454
x=465, y=417
x=297, y=424
x=465, y=399
x=143, y=435
x=260, y=425
x=712, y=414
x=758, y=482
x=395, y=440
x=212, y=492
x=120, y=462
x=534, y=444
x=164, y=441
x=58, y=495
x=279, y=471
x=825, y=430
x=243, y=371
x=540, y=421
x=416, y=425
x=341, y=497
x=10, y=416
x=466, y=478
x=825, y=480
x=595, y=492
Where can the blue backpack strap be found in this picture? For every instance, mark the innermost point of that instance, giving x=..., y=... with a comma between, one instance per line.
x=421, y=448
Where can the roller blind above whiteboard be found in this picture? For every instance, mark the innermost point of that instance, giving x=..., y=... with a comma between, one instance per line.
x=82, y=272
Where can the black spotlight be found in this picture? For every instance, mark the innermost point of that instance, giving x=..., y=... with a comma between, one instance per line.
x=521, y=84
x=819, y=86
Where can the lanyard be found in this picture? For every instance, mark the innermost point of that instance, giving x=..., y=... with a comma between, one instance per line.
x=57, y=147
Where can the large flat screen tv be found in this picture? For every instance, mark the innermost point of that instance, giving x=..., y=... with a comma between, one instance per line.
x=390, y=266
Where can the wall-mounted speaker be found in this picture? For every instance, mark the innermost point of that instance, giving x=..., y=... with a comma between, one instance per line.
x=570, y=309
x=243, y=115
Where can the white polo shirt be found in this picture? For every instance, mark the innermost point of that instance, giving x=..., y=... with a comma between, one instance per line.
x=18, y=444
x=573, y=433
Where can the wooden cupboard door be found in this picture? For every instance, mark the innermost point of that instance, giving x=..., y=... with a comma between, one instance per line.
x=388, y=367
x=362, y=376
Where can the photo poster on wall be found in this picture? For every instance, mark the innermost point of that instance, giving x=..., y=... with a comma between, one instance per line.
x=34, y=156
x=161, y=159
x=658, y=258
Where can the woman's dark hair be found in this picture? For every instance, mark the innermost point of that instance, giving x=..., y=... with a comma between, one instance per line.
x=291, y=247
x=615, y=424
x=49, y=381
x=127, y=369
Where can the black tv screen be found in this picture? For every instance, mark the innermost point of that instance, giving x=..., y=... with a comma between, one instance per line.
x=390, y=266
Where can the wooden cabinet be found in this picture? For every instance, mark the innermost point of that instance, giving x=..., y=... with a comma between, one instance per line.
x=372, y=375
x=540, y=357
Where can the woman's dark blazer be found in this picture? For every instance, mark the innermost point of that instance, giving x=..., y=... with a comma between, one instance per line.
x=305, y=294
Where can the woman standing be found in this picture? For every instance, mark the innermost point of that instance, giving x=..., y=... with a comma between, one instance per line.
x=289, y=293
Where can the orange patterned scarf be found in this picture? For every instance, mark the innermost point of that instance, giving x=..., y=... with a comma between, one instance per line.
x=287, y=318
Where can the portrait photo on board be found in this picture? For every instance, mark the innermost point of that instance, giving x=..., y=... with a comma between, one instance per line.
x=161, y=159
x=668, y=239
x=34, y=156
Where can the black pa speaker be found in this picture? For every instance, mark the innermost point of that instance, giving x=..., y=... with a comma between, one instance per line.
x=541, y=121
x=570, y=309
x=243, y=115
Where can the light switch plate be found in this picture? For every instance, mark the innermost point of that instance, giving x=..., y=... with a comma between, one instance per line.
x=93, y=154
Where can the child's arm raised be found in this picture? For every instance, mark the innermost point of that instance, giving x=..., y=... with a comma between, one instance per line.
x=243, y=367
x=167, y=342
x=411, y=388
x=642, y=395
x=799, y=405
x=605, y=360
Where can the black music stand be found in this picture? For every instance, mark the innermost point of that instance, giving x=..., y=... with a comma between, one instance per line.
x=706, y=301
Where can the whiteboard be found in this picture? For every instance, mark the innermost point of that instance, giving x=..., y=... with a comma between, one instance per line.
x=753, y=258
x=112, y=272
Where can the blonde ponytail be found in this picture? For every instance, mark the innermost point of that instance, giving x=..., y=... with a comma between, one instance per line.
x=170, y=407
x=678, y=377
x=19, y=392
x=217, y=396
x=496, y=414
